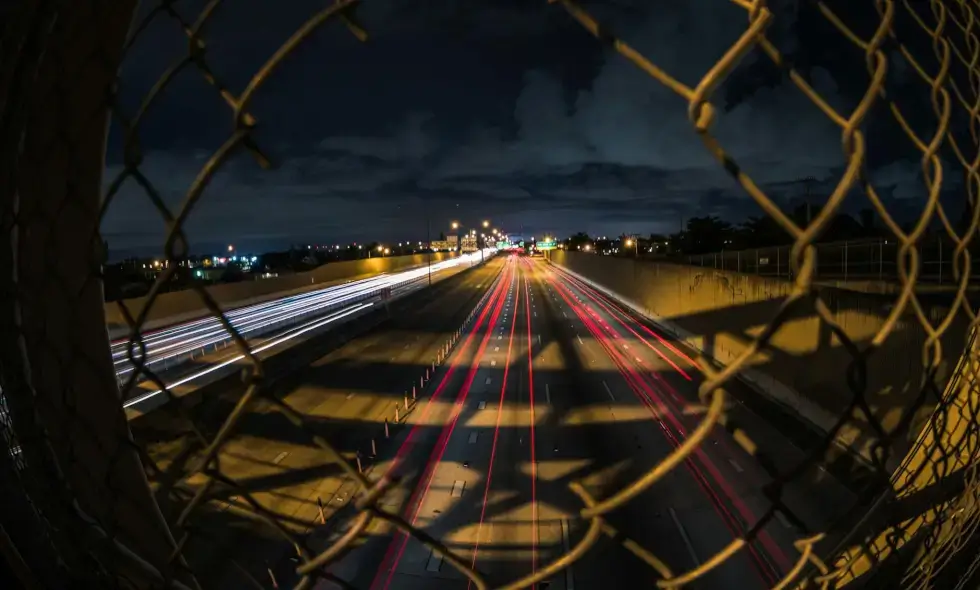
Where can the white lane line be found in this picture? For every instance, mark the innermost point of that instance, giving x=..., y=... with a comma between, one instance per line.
x=580, y=340
x=458, y=486
x=483, y=405
x=539, y=339
x=609, y=391
x=493, y=363
x=685, y=538
x=488, y=381
x=496, y=349
x=473, y=437
x=434, y=563
x=280, y=457
x=567, y=547
x=564, y=314
x=783, y=520
x=547, y=393
x=350, y=395
x=736, y=466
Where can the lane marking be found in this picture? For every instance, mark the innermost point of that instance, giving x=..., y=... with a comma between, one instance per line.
x=434, y=563
x=539, y=339
x=280, y=457
x=684, y=537
x=783, y=520
x=482, y=406
x=473, y=437
x=564, y=314
x=609, y=391
x=496, y=349
x=547, y=393
x=493, y=363
x=567, y=547
x=580, y=340
x=350, y=395
x=736, y=466
x=488, y=381
x=458, y=486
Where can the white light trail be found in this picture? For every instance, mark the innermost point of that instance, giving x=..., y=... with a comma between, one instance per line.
x=185, y=339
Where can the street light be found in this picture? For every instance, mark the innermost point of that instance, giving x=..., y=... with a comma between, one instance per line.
x=455, y=225
x=231, y=248
x=387, y=251
x=486, y=224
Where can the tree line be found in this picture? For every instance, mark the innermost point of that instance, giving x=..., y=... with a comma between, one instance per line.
x=710, y=234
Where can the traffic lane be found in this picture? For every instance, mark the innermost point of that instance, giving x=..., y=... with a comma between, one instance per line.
x=691, y=522
x=177, y=350
x=583, y=440
x=379, y=549
x=270, y=456
x=740, y=500
x=340, y=489
x=452, y=505
x=813, y=499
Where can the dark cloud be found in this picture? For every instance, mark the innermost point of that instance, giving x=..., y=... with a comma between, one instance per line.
x=506, y=110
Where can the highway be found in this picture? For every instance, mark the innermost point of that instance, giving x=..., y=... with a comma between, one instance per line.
x=345, y=395
x=555, y=383
x=550, y=383
x=276, y=321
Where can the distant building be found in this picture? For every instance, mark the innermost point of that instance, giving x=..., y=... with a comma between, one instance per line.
x=443, y=245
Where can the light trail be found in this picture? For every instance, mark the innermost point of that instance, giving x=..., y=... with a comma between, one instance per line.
x=282, y=339
x=184, y=339
x=643, y=394
x=396, y=547
x=675, y=406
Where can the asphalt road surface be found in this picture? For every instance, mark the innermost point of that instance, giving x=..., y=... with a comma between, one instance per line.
x=554, y=383
x=550, y=383
x=344, y=396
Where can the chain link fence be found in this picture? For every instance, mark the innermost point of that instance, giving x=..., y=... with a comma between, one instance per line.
x=850, y=260
x=84, y=505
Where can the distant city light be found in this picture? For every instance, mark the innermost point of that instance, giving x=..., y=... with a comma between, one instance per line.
x=231, y=248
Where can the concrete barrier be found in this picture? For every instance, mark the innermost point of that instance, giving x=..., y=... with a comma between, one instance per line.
x=169, y=308
x=806, y=367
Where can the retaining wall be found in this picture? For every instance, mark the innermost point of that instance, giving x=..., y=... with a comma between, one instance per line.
x=184, y=305
x=806, y=367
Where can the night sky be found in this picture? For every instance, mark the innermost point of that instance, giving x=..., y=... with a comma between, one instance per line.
x=504, y=109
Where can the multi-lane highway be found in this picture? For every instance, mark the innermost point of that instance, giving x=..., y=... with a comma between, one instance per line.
x=550, y=383
x=345, y=396
x=556, y=383
x=266, y=324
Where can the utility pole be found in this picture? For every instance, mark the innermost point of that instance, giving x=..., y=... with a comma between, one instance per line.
x=428, y=239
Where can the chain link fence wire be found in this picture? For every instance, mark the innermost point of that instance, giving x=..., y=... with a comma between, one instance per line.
x=83, y=505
